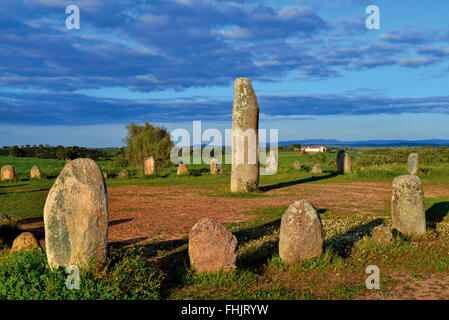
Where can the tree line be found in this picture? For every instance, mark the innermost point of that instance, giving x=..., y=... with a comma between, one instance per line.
x=51, y=152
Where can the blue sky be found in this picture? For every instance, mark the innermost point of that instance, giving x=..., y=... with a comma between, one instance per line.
x=317, y=70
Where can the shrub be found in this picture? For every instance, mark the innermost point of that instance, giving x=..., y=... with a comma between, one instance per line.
x=147, y=141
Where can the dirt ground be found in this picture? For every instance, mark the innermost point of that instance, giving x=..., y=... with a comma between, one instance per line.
x=140, y=214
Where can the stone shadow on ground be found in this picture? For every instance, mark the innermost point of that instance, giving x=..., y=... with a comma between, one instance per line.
x=436, y=214
x=299, y=181
x=342, y=244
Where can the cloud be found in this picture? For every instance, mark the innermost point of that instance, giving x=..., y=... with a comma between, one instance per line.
x=78, y=109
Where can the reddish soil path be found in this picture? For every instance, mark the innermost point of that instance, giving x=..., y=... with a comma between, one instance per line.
x=139, y=214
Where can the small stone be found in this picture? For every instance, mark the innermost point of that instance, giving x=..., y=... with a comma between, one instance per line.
x=76, y=216
x=212, y=247
x=271, y=166
x=317, y=168
x=344, y=162
x=149, y=166
x=413, y=162
x=297, y=165
x=123, y=174
x=407, y=205
x=8, y=173
x=301, y=235
x=25, y=241
x=35, y=172
x=182, y=170
x=215, y=166
x=382, y=235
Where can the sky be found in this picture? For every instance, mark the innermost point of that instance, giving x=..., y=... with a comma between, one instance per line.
x=317, y=70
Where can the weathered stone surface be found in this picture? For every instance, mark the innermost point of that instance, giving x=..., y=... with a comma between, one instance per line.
x=25, y=241
x=123, y=173
x=245, y=138
x=271, y=167
x=382, y=235
x=317, y=168
x=149, y=166
x=301, y=236
x=344, y=162
x=212, y=247
x=297, y=165
x=8, y=173
x=35, y=172
x=413, y=163
x=76, y=216
x=182, y=170
x=215, y=166
x=407, y=205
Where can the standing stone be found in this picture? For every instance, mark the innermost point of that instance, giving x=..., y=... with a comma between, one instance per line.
x=245, y=138
x=301, y=235
x=123, y=174
x=215, y=166
x=8, y=173
x=382, y=235
x=212, y=247
x=182, y=170
x=407, y=205
x=317, y=168
x=271, y=166
x=413, y=160
x=344, y=162
x=149, y=166
x=297, y=165
x=35, y=173
x=25, y=241
x=76, y=216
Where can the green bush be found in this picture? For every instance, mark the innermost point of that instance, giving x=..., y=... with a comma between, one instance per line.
x=26, y=275
x=147, y=141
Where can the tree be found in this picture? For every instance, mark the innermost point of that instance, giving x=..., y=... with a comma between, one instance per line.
x=15, y=151
x=147, y=141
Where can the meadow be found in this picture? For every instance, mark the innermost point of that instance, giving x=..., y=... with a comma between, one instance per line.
x=157, y=267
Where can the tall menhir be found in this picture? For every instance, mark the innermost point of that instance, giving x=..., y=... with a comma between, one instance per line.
x=245, y=138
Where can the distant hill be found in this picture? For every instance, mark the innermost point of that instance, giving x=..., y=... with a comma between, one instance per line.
x=369, y=143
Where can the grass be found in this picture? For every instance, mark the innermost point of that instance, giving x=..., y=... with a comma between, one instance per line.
x=26, y=275
x=161, y=270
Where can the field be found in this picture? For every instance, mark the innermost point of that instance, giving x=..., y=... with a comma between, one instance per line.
x=150, y=217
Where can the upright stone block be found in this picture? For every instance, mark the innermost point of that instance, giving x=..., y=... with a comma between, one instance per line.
x=271, y=166
x=76, y=216
x=212, y=247
x=7, y=173
x=182, y=170
x=301, y=236
x=407, y=205
x=317, y=168
x=35, y=172
x=149, y=166
x=413, y=163
x=297, y=165
x=344, y=162
x=245, y=138
x=215, y=166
